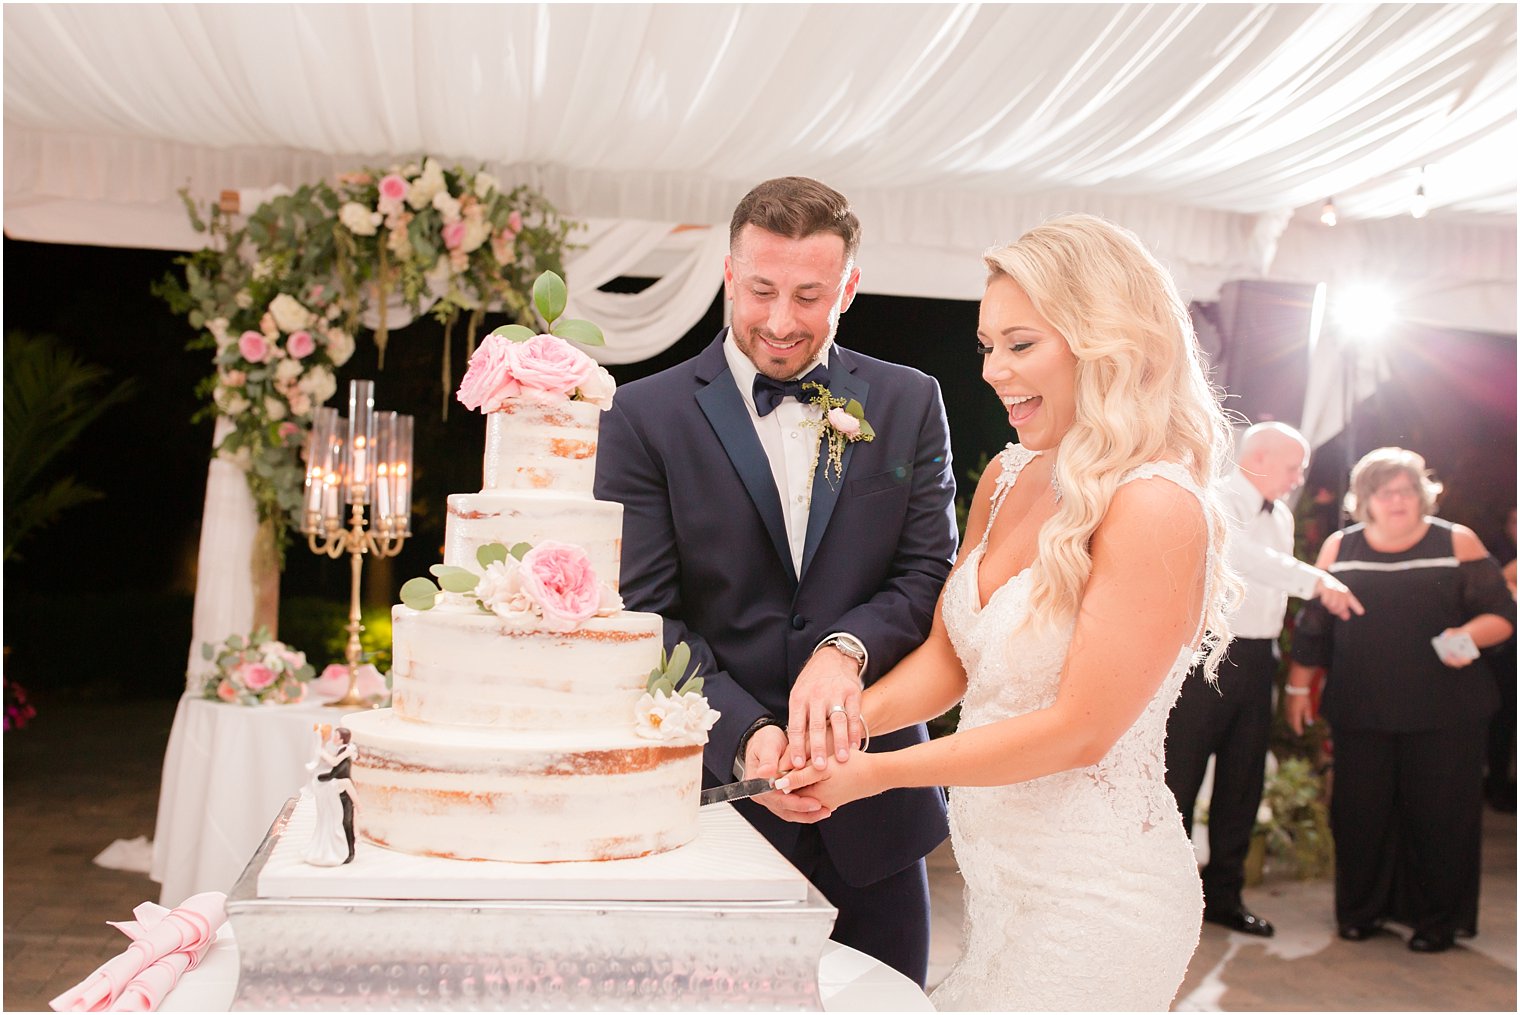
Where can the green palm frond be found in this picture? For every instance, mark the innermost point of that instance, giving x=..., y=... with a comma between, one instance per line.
x=51, y=396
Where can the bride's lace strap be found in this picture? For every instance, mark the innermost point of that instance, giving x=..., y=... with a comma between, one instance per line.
x=1013, y=459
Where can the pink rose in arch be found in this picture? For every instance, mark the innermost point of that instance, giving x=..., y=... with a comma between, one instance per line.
x=550, y=366
x=301, y=344
x=393, y=188
x=253, y=347
x=559, y=579
x=289, y=433
x=489, y=379
x=514, y=222
x=453, y=234
x=254, y=676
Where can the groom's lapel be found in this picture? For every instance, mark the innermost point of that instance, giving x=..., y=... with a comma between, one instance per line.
x=730, y=419
x=846, y=385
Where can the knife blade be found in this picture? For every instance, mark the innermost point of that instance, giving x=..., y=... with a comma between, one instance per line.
x=737, y=791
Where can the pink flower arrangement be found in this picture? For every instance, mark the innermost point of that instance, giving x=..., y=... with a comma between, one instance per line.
x=333, y=683
x=543, y=367
x=255, y=671
x=453, y=234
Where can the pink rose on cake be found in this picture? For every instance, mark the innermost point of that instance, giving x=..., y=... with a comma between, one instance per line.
x=559, y=579
x=489, y=379
x=550, y=368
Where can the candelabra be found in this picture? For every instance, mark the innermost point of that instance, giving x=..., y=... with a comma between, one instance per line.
x=364, y=461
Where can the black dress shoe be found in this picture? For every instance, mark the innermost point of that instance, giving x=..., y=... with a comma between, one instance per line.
x=1430, y=942
x=1357, y=931
x=1240, y=918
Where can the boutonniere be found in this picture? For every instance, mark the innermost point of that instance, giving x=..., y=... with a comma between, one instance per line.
x=840, y=422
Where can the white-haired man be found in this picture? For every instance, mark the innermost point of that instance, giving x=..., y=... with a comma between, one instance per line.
x=1233, y=722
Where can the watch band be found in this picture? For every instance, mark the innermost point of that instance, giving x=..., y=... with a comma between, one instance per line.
x=758, y=725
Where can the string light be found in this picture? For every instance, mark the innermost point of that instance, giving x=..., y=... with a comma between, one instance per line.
x=1327, y=212
x=1420, y=206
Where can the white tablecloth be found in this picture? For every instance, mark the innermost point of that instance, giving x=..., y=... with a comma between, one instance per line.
x=227, y=772
x=848, y=980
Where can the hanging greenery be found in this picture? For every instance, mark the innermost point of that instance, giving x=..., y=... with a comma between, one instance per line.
x=280, y=297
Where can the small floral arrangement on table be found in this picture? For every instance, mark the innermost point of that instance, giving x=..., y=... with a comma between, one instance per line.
x=553, y=582
x=672, y=707
x=256, y=671
x=843, y=421
x=514, y=361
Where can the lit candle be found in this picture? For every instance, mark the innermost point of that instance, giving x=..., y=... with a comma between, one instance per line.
x=361, y=440
x=401, y=455
x=385, y=444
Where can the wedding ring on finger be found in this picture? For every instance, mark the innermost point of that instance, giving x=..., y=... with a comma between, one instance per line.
x=838, y=710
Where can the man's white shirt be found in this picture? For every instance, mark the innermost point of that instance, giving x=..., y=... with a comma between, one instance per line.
x=790, y=447
x=1261, y=551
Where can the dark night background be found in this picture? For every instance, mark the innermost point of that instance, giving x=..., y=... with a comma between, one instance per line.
x=101, y=601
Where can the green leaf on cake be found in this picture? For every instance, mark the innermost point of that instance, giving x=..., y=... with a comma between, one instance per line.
x=491, y=553
x=693, y=686
x=520, y=549
x=454, y=579
x=514, y=332
x=680, y=658
x=419, y=594
x=577, y=330
x=549, y=296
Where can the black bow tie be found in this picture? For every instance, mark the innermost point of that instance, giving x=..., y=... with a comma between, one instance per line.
x=768, y=392
x=1266, y=507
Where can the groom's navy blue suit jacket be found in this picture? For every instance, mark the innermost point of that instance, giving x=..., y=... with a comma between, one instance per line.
x=704, y=545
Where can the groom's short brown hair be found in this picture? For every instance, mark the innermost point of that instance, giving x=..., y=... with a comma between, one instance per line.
x=797, y=207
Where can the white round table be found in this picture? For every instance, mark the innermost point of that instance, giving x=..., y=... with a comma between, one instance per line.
x=848, y=980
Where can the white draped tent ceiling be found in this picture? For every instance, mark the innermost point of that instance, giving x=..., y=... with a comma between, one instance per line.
x=1214, y=131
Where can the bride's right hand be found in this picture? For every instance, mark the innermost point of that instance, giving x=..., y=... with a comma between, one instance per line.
x=763, y=759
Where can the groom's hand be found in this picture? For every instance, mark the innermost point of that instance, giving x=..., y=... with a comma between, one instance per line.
x=824, y=705
x=764, y=758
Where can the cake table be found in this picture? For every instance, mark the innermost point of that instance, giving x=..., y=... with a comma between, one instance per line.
x=724, y=922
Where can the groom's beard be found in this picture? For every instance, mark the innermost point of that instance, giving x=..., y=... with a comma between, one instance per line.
x=775, y=366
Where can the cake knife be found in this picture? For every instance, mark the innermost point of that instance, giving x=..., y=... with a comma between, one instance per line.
x=737, y=791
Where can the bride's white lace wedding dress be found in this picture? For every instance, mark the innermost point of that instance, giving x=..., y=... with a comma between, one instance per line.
x=1082, y=891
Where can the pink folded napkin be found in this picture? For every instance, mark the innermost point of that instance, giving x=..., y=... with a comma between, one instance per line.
x=165, y=944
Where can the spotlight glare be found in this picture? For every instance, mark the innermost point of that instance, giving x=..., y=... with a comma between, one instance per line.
x=1327, y=212
x=1364, y=311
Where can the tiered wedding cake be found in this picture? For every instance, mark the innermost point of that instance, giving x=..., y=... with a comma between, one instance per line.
x=526, y=722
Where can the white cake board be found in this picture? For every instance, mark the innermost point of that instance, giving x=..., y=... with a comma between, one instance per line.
x=728, y=862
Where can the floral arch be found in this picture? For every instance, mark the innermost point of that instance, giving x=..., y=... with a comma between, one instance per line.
x=281, y=297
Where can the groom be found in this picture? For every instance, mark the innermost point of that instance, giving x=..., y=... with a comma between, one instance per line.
x=795, y=586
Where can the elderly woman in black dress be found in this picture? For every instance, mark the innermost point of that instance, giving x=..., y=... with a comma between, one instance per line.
x=1408, y=703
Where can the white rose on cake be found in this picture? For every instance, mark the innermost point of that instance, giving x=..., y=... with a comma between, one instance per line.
x=682, y=718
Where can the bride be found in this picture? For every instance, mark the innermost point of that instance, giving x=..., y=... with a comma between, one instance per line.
x=1091, y=575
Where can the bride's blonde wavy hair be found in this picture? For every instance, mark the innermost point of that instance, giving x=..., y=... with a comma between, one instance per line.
x=1141, y=396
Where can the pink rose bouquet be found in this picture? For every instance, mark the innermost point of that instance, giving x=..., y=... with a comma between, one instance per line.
x=255, y=671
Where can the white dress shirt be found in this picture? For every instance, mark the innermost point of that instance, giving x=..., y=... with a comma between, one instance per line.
x=790, y=447
x=1261, y=551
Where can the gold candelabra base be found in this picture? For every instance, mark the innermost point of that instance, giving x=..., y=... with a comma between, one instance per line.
x=357, y=540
